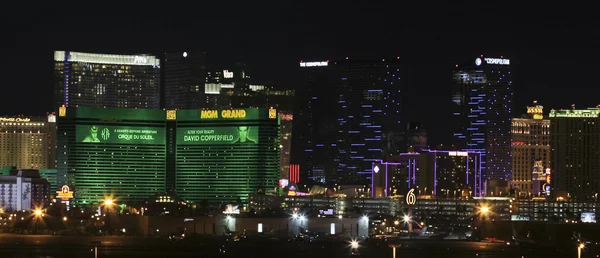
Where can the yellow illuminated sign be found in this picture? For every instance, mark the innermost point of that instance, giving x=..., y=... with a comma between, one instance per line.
x=240, y=113
x=14, y=119
x=62, y=111
x=65, y=193
x=209, y=114
x=538, y=116
x=171, y=114
x=229, y=114
x=272, y=113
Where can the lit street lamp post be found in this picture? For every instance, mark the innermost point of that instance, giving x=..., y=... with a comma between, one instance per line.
x=108, y=203
x=579, y=248
x=393, y=246
x=37, y=215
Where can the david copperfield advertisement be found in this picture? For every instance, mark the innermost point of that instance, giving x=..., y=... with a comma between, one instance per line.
x=238, y=135
x=120, y=134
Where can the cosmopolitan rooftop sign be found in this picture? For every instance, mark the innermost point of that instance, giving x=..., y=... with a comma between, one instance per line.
x=311, y=64
x=493, y=61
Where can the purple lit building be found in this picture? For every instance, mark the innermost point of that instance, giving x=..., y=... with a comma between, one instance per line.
x=482, y=97
x=429, y=172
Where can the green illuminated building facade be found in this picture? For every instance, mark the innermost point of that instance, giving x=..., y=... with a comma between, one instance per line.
x=132, y=154
x=575, y=153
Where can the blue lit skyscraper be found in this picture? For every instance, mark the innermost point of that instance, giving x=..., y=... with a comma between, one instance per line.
x=368, y=116
x=483, y=95
x=347, y=115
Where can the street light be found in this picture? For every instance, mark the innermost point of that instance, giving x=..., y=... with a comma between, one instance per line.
x=108, y=203
x=65, y=218
x=579, y=248
x=407, y=219
x=485, y=210
x=37, y=214
x=354, y=244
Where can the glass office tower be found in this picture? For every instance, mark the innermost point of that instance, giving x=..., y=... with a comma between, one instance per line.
x=106, y=80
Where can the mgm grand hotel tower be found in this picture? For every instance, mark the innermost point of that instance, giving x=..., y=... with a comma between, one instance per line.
x=217, y=156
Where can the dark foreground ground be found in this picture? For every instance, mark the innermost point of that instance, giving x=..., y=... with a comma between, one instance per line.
x=112, y=246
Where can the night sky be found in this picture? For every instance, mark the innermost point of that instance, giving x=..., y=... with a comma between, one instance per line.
x=554, y=53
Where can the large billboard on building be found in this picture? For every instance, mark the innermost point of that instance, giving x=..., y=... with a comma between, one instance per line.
x=238, y=135
x=120, y=134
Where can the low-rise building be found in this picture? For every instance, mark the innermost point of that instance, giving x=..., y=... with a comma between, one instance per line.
x=23, y=190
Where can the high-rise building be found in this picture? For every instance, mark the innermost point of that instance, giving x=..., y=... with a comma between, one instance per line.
x=530, y=150
x=347, y=116
x=315, y=122
x=28, y=142
x=184, y=76
x=429, y=172
x=200, y=155
x=227, y=89
x=106, y=80
x=368, y=113
x=416, y=137
x=483, y=95
x=575, y=150
x=223, y=85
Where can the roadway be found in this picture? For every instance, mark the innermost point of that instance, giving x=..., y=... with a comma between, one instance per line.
x=117, y=246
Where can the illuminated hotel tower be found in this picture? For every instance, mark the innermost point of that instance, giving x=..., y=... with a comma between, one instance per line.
x=28, y=142
x=575, y=149
x=530, y=150
x=347, y=117
x=368, y=116
x=482, y=97
x=106, y=80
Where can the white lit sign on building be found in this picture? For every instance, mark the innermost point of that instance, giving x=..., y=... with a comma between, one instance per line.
x=493, y=61
x=140, y=60
x=458, y=153
x=231, y=209
x=227, y=74
x=311, y=64
x=588, y=217
x=411, y=199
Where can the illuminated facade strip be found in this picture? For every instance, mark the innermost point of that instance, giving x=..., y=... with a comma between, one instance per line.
x=106, y=58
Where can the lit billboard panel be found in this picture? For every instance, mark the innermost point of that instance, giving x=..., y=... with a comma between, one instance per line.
x=236, y=135
x=120, y=134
